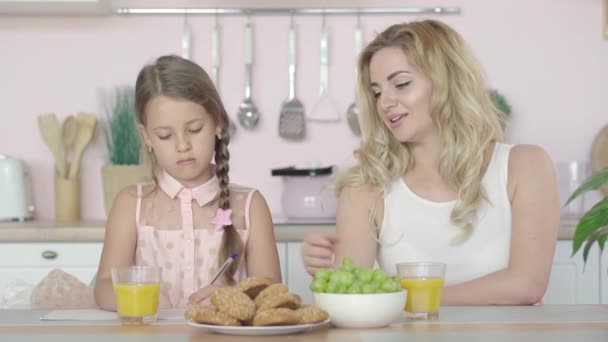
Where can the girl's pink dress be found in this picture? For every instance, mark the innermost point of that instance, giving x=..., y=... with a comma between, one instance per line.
x=175, y=232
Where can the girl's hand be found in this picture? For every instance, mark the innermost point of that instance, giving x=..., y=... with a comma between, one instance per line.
x=318, y=251
x=203, y=294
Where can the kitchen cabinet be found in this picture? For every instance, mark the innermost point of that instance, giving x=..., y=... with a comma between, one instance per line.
x=571, y=281
x=604, y=277
x=282, y=251
x=298, y=279
x=30, y=262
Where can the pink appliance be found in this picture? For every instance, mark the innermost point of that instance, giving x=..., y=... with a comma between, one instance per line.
x=308, y=193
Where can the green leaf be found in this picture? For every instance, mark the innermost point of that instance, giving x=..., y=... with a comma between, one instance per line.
x=593, y=220
x=602, y=232
x=594, y=182
x=601, y=241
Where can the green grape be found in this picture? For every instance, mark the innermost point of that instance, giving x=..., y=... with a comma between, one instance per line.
x=354, y=280
x=379, y=275
x=347, y=264
x=355, y=288
x=368, y=289
x=318, y=285
x=334, y=276
x=347, y=261
x=332, y=287
x=365, y=275
x=396, y=286
x=390, y=286
x=345, y=278
x=323, y=274
x=342, y=289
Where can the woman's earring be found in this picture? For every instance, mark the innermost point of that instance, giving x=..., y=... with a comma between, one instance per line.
x=219, y=136
x=149, y=148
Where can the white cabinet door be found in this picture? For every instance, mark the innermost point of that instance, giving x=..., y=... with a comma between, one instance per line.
x=30, y=262
x=604, y=276
x=297, y=277
x=282, y=250
x=571, y=281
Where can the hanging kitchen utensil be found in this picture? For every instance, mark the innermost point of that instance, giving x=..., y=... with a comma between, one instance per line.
x=248, y=112
x=215, y=52
x=51, y=133
x=352, y=113
x=186, y=39
x=325, y=109
x=215, y=65
x=292, y=121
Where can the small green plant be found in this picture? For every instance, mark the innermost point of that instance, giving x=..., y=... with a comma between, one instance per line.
x=120, y=128
x=593, y=225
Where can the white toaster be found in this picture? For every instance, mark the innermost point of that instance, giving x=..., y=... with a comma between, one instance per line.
x=16, y=202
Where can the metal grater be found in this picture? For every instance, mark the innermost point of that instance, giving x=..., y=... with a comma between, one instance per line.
x=292, y=121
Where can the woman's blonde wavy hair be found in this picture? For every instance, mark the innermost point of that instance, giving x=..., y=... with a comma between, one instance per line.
x=461, y=108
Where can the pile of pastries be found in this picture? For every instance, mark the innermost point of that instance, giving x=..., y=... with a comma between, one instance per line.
x=255, y=302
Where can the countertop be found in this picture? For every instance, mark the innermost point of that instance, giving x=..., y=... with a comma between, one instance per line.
x=93, y=231
x=555, y=323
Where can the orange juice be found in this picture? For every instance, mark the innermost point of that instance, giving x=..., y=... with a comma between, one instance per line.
x=137, y=300
x=423, y=294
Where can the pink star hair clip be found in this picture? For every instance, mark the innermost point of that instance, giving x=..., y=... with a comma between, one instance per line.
x=222, y=218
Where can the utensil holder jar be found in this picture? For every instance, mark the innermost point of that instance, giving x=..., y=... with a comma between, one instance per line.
x=67, y=199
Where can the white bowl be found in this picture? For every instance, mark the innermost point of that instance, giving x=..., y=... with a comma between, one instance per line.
x=361, y=310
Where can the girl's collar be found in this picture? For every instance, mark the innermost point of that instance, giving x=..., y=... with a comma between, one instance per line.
x=203, y=193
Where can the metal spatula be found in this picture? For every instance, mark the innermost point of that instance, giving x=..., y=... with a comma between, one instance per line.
x=352, y=113
x=325, y=109
x=292, y=122
x=186, y=41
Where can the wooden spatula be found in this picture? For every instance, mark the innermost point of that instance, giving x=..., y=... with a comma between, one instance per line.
x=51, y=133
x=69, y=128
x=86, y=128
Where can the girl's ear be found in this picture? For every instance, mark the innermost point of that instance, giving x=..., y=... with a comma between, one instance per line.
x=144, y=135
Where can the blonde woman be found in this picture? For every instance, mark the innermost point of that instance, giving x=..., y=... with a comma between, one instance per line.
x=433, y=180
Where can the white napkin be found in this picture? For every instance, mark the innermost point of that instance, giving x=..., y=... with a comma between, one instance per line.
x=103, y=315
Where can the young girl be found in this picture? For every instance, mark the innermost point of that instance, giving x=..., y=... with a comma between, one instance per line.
x=190, y=219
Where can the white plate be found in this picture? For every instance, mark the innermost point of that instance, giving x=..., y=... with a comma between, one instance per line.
x=260, y=331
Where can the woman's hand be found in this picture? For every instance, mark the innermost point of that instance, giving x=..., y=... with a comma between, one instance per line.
x=318, y=251
x=203, y=294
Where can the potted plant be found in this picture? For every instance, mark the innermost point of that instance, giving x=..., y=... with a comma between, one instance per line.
x=593, y=225
x=502, y=104
x=124, y=146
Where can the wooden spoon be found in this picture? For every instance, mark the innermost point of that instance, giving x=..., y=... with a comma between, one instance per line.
x=51, y=133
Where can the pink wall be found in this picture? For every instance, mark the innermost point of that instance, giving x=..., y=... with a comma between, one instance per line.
x=548, y=57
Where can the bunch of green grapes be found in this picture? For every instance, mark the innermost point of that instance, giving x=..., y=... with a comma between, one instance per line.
x=350, y=279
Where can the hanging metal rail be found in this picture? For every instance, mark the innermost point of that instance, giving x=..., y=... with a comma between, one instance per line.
x=287, y=11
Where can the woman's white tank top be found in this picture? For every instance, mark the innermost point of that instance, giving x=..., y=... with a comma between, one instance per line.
x=416, y=229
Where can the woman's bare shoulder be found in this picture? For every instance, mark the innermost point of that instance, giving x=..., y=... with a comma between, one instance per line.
x=528, y=163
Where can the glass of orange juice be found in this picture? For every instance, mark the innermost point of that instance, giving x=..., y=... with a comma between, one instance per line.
x=137, y=290
x=423, y=282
